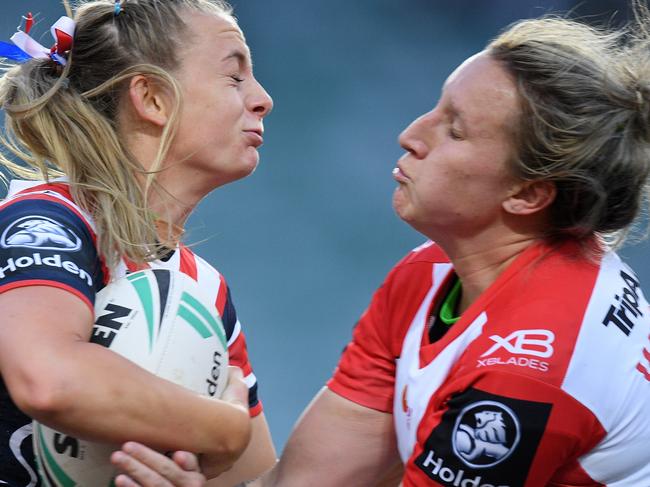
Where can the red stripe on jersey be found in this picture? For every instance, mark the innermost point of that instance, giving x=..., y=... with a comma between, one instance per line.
x=44, y=197
x=188, y=262
x=238, y=355
x=255, y=410
x=221, y=295
x=133, y=267
x=45, y=282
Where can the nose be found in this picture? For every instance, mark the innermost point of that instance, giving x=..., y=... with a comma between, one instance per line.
x=260, y=101
x=412, y=137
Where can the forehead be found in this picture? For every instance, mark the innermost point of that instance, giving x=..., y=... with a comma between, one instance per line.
x=483, y=92
x=212, y=35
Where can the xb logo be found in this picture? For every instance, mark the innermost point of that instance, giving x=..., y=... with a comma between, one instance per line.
x=525, y=342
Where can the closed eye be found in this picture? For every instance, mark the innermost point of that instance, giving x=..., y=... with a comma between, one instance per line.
x=455, y=134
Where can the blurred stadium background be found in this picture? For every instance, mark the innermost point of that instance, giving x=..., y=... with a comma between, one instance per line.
x=305, y=240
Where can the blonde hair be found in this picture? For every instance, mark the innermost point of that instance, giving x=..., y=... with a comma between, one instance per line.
x=63, y=121
x=585, y=99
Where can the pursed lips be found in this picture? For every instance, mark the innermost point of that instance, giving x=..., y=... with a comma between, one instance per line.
x=255, y=136
x=399, y=175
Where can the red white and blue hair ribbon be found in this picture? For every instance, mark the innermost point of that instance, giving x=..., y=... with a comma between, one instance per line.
x=25, y=47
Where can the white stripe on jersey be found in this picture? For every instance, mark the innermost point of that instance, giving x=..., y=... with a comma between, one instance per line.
x=625, y=446
x=206, y=275
x=250, y=380
x=235, y=333
x=16, y=440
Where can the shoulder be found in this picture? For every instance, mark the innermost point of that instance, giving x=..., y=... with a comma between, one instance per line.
x=54, y=199
x=418, y=266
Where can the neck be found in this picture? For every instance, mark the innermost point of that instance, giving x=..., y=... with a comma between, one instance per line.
x=479, y=261
x=176, y=192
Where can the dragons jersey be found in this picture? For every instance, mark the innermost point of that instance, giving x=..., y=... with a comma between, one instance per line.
x=46, y=239
x=543, y=381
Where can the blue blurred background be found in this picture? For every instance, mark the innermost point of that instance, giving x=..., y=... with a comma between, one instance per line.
x=305, y=240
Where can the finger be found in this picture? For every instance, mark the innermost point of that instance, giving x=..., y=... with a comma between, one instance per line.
x=124, y=481
x=188, y=461
x=156, y=467
x=137, y=471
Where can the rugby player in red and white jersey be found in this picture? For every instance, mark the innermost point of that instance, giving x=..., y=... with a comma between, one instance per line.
x=140, y=143
x=515, y=351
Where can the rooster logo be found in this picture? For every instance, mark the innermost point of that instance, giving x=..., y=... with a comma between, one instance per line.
x=38, y=232
x=485, y=434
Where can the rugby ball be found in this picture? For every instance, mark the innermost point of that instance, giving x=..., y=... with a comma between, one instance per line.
x=164, y=322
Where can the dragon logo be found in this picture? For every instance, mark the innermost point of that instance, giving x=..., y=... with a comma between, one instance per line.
x=39, y=232
x=485, y=434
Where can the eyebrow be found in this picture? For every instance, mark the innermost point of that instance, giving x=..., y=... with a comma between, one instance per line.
x=241, y=57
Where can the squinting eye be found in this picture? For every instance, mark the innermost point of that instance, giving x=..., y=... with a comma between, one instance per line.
x=455, y=134
x=237, y=78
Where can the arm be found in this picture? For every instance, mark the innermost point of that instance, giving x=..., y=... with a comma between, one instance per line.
x=259, y=457
x=80, y=388
x=336, y=442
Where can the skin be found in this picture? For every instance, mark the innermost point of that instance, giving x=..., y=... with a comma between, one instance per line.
x=218, y=135
x=454, y=186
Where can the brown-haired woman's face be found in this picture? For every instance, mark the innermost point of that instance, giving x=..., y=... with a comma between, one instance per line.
x=454, y=175
x=220, y=126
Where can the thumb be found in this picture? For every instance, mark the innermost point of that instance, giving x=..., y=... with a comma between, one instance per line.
x=236, y=391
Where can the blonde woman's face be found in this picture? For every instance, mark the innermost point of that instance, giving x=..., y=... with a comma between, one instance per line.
x=454, y=176
x=221, y=121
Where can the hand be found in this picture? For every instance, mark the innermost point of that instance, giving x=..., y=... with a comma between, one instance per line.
x=236, y=393
x=140, y=466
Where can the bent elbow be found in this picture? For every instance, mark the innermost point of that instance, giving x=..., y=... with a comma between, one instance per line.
x=40, y=400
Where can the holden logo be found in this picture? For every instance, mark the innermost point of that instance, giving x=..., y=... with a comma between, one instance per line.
x=39, y=232
x=485, y=434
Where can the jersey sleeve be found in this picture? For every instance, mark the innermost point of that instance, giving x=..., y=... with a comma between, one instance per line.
x=238, y=352
x=45, y=243
x=366, y=371
x=502, y=429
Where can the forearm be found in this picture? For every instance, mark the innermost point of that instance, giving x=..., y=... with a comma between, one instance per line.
x=336, y=442
x=112, y=400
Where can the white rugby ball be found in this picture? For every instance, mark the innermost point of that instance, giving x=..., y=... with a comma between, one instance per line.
x=164, y=322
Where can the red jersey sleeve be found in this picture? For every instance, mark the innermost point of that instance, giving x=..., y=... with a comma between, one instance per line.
x=366, y=371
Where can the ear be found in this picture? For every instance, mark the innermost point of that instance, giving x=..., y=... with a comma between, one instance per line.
x=149, y=100
x=530, y=197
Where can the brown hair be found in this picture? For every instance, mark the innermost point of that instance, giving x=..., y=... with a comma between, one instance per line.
x=585, y=98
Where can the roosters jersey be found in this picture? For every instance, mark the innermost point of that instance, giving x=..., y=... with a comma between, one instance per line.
x=47, y=240
x=543, y=381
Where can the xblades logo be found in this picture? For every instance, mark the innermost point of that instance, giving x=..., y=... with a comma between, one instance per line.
x=538, y=343
x=39, y=232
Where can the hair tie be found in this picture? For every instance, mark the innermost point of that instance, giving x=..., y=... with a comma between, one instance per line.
x=118, y=7
x=25, y=47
